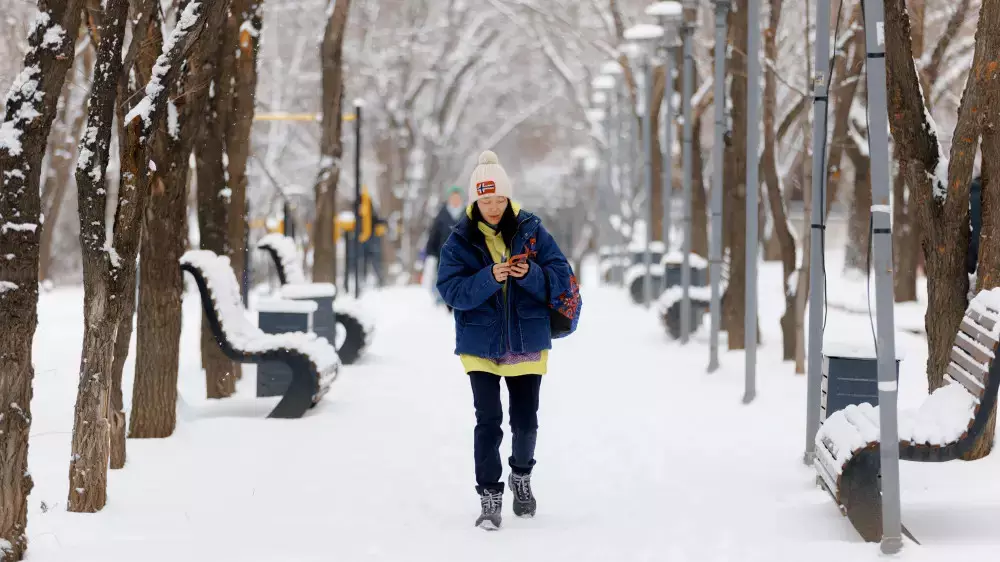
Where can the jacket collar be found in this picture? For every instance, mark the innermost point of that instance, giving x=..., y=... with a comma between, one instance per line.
x=527, y=223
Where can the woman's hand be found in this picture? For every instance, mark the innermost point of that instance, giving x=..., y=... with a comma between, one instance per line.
x=519, y=270
x=500, y=272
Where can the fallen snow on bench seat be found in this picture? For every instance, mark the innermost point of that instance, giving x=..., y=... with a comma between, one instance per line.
x=674, y=294
x=285, y=305
x=288, y=254
x=677, y=258
x=941, y=419
x=987, y=303
x=637, y=271
x=308, y=290
x=238, y=329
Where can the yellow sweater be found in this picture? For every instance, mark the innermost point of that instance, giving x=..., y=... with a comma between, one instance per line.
x=497, y=248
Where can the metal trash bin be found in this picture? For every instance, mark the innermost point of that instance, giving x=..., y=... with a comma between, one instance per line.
x=280, y=316
x=323, y=294
x=850, y=375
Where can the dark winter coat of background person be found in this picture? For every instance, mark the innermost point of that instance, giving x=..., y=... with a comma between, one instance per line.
x=440, y=231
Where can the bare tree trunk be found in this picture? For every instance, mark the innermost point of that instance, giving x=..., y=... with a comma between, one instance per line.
x=656, y=202
x=331, y=145
x=102, y=273
x=110, y=248
x=699, y=197
x=905, y=242
x=29, y=110
x=244, y=32
x=942, y=206
x=164, y=239
x=769, y=169
x=856, y=256
x=734, y=303
x=215, y=199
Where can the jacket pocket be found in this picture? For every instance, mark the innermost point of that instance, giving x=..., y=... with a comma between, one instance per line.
x=479, y=317
x=530, y=309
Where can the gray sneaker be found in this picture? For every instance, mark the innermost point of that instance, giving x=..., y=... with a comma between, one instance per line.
x=492, y=502
x=524, y=500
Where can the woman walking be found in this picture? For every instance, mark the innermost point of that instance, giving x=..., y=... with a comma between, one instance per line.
x=499, y=271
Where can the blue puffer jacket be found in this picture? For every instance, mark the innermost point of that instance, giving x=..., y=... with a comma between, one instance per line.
x=489, y=324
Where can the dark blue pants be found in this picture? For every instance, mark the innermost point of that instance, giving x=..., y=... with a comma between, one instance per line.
x=523, y=393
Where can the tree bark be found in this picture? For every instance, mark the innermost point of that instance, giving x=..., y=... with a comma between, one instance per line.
x=734, y=303
x=905, y=242
x=29, y=110
x=655, y=206
x=699, y=196
x=164, y=239
x=856, y=257
x=103, y=273
x=943, y=209
x=775, y=191
x=110, y=248
x=215, y=198
x=331, y=145
x=244, y=32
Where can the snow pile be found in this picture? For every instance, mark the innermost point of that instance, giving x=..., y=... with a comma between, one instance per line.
x=943, y=417
x=288, y=255
x=248, y=338
x=308, y=291
x=677, y=258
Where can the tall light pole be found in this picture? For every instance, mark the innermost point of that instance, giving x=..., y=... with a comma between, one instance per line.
x=752, y=198
x=598, y=118
x=645, y=37
x=687, y=149
x=821, y=81
x=878, y=138
x=715, y=252
x=669, y=14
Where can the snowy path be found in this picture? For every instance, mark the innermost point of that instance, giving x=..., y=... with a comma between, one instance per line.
x=641, y=457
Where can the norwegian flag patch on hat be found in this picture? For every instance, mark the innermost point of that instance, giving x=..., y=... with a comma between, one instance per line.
x=488, y=187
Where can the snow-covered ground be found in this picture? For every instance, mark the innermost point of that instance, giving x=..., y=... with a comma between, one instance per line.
x=642, y=456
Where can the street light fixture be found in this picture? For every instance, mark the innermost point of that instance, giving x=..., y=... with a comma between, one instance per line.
x=643, y=39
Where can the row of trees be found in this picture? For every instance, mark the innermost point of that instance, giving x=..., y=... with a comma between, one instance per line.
x=156, y=82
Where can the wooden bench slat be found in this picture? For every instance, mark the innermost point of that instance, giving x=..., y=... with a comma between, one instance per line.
x=958, y=375
x=966, y=343
x=985, y=320
x=974, y=368
x=978, y=334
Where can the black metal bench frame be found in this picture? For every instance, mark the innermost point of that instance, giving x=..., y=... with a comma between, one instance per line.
x=303, y=391
x=858, y=490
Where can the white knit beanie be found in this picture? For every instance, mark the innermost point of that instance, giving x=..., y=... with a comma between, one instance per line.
x=489, y=178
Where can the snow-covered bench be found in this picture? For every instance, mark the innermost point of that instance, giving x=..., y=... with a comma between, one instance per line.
x=345, y=325
x=668, y=304
x=943, y=428
x=664, y=274
x=313, y=361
